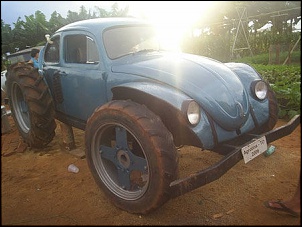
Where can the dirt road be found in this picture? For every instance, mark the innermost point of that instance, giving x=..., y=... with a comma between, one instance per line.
x=37, y=189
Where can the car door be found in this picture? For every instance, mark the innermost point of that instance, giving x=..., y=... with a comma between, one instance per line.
x=78, y=80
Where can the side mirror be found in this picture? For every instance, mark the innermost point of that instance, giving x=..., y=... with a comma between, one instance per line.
x=47, y=36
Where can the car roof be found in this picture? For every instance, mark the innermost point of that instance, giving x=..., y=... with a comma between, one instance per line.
x=99, y=24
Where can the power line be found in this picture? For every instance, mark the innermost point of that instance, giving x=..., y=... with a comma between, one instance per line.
x=249, y=17
x=278, y=12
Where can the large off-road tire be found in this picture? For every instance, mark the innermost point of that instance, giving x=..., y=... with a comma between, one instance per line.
x=31, y=105
x=131, y=155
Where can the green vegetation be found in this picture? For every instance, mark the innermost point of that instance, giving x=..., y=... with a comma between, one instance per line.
x=263, y=59
x=285, y=81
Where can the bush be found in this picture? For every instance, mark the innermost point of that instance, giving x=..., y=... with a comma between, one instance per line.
x=264, y=58
x=286, y=82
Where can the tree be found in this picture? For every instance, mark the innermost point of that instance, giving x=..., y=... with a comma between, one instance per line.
x=101, y=12
x=6, y=37
x=116, y=12
x=35, y=29
x=18, y=34
x=56, y=21
x=222, y=20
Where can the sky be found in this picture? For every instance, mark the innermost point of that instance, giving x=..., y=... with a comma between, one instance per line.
x=11, y=10
x=171, y=17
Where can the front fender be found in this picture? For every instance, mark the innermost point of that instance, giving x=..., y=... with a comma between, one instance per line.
x=158, y=91
x=170, y=108
x=247, y=74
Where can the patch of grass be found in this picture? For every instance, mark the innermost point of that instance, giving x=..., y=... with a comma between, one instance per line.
x=263, y=59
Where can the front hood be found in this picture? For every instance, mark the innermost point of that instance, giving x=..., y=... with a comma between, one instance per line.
x=213, y=85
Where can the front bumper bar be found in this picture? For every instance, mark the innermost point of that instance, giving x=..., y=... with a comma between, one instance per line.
x=212, y=173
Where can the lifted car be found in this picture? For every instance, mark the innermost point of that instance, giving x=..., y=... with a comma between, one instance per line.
x=137, y=103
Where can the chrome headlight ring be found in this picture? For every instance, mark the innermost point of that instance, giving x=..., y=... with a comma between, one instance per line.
x=259, y=89
x=191, y=110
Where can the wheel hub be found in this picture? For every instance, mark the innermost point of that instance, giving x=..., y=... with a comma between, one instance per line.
x=123, y=158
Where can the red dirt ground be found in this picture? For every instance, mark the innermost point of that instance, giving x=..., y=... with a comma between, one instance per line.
x=37, y=189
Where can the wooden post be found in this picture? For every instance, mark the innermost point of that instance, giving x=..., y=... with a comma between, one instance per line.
x=291, y=51
x=270, y=54
x=67, y=136
x=277, y=60
x=5, y=126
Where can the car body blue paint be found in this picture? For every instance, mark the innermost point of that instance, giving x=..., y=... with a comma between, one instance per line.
x=221, y=89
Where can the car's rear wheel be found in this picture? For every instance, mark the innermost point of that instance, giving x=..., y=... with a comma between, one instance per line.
x=31, y=105
x=131, y=155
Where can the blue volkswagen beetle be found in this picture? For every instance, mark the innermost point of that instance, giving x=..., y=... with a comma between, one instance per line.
x=138, y=103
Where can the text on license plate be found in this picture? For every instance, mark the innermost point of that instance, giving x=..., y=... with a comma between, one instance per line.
x=254, y=149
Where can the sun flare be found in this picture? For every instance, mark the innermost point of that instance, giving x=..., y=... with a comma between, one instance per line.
x=172, y=18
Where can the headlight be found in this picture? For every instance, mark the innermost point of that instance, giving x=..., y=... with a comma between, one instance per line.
x=259, y=89
x=193, y=113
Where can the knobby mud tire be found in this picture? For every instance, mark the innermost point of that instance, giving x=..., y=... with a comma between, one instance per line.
x=151, y=143
x=31, y=105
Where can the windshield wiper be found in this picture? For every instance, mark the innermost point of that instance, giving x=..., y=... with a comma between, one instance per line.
x=136, y=52
x=144, y=50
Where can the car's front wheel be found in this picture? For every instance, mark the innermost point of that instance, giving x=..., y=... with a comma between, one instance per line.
x=131, y=155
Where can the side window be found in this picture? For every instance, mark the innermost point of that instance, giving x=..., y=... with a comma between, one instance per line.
x=80, y=49
x=52, y=51
x=92, y=51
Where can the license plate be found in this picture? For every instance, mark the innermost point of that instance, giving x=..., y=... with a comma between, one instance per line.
x=254, y=149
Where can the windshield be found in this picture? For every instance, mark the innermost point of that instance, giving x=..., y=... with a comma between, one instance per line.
x=121, y=41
